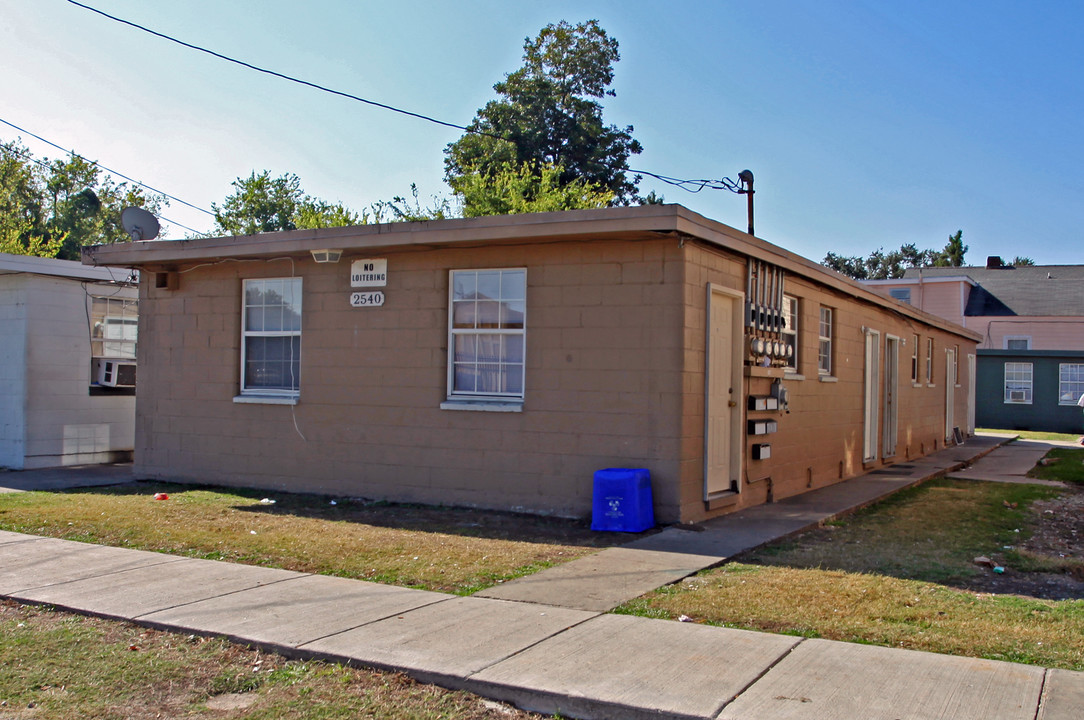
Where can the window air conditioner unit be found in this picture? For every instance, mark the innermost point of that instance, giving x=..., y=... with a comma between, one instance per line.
x=1017, y=396
x=116, y=373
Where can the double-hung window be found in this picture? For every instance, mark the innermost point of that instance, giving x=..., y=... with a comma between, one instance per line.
x=271, y=343
x=114, y=327
x=1018, y=380
x=1070, y=383
x=929, y=361
x=790, y=330
x=824, y=351
x=487, y=334
x=914, y=358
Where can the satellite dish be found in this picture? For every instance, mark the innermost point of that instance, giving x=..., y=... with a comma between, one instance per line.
x=139, y=223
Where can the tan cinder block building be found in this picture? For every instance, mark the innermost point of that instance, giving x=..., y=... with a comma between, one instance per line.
x=498, y=362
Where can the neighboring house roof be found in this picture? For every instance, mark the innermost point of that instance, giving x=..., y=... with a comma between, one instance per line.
x=1037, y=290
x=73, y=269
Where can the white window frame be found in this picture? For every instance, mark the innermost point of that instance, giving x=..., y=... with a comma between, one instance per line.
x=114, y=330
x=825, y=330
x=791, y=329
x=1008, y=338
x=956, y=365
x=903, y=295
x=1070, y=383
x=460, y=398
x=929, y=361
x=1019, y=378
x=294, y=388
x=914, y=359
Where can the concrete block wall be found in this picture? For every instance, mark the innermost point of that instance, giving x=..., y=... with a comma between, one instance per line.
x=47, y=416
x=12, y=371
x=65, y=425
x=604, y=381
x=820, y=440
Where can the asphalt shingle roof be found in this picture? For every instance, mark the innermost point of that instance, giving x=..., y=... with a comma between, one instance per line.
x=1027, y=290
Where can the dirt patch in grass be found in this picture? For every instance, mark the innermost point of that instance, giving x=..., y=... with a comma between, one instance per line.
x=935, y=532
x=66, y=667
x=444, y=549
x=901, y=573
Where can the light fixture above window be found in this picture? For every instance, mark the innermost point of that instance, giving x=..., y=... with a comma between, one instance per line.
x=326, y=256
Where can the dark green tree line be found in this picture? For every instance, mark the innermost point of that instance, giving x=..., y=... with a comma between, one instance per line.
x=55, y=207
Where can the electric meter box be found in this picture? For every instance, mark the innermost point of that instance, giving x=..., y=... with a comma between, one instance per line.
x=622, y=500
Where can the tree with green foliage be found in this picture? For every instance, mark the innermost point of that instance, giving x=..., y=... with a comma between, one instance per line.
x=401, y=209
x=53, y=208
x=1022, y=262
x=261, y=203
x=953, y=253
x=526, y=188
x=548, y=119
x=884, y=266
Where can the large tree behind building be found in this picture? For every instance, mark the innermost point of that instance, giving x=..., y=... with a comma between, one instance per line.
x=549, y=117
x=261, y=203
x=52, y=208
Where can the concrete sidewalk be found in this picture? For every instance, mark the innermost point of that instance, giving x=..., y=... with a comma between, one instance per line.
x=581, y=663
x=1012, y=462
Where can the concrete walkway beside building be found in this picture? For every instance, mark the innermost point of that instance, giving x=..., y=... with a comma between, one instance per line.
x=543, y=653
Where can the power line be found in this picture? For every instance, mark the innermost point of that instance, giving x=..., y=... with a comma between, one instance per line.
x=692, y=186
x=103, y=167
x=273, y=73
x=31, y=158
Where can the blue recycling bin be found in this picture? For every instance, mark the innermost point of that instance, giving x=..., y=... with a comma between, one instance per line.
x=622, y=500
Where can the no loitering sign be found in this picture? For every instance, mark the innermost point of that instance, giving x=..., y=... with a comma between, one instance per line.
x=369, y=273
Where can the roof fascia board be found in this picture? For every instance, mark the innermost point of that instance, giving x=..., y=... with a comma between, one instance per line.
x=622, y=223
x=32, y=265
x=492, y=230
x=915, y=280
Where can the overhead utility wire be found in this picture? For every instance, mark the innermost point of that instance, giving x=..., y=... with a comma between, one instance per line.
x=693, y=186
x=103, y=167
x=31, y=158
x=269, y=72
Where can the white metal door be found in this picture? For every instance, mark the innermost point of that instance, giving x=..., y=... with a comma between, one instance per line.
x=722, y=436
x=971, y=395
x=891, y=413
x=950, y=394
x=872, y=395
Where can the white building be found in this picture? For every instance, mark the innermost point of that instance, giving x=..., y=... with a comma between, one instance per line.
x=67, y=363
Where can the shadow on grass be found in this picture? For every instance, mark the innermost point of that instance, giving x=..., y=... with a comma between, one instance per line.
x=459, y=521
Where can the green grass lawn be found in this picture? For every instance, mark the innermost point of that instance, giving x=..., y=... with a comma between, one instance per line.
x=444, y=549
x=1035, y=434
x=1063, y=464
x=58, y=666
x=899, y=574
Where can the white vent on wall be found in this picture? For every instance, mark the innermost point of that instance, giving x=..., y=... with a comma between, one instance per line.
x=116, y=373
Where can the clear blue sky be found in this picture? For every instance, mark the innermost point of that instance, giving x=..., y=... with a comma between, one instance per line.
x=867, y=123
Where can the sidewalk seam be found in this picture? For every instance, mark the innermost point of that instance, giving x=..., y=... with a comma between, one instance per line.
x=136, y=618
x=534, y=644
x=446, y=598
x=759, y=677
x=1042, y=694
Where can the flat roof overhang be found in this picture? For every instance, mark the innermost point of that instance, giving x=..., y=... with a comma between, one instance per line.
x=624, y=223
